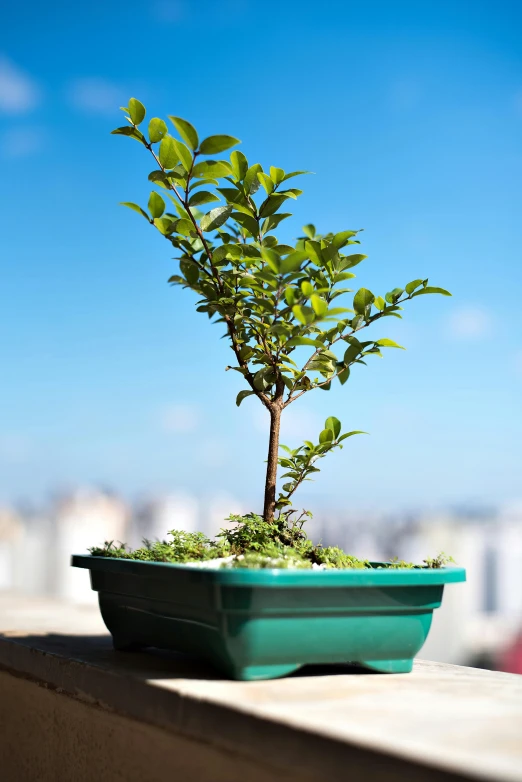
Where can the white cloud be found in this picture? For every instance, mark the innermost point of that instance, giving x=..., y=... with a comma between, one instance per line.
x=96, y=96
x=21, y=142
x=19, y=93
x=181, y=418
x=470, y=322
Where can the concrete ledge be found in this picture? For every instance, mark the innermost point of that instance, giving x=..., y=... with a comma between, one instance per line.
x=72, y=708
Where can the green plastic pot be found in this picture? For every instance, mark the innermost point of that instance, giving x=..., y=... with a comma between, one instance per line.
x=261, y=624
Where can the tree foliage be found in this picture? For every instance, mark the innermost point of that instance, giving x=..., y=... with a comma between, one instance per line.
x=292, y=324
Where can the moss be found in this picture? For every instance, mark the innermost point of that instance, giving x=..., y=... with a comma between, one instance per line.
x=401, y=564
x=440, y=561
x=252, y=533
x=271, y=557
x=253, y=543
x=182, y=547
x=333, y=557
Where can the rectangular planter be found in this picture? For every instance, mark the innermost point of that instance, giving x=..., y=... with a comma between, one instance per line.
x=261, y=624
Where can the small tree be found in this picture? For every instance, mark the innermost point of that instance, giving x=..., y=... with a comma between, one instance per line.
x=272, y=298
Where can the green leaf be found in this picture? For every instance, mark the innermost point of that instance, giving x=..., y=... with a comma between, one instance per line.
x=410, y=287
x=261, y=379
x=380, y=303
x=184, y=154
x=290, y=297
x=432, y=290
x=246, y=210
x=246, y=352
x=136, y=111
x=342, y=238
x=273, y=221
x=185, y=227
x=309, y=230
x=266, y=181
x=202, y=197
x=242, y=395
x=168, y=154
x=251, y=181
x=293, y=261
x=157, y=129
x=226, y=251
x=392, y=296
x=352, y=260
x=303, y=314
x=156, y=204
x=271, y=258
x=307, y=288
x=179, y=208
x=136, y=208
x=235, y=196
x=388, y=343
x=277, y=174
x=314, y=252
x=186, y=131
x=165, y=225
x=350, y=434
x=266, y=275
x=334, y=424
x=326, y=436
x=202, y=182
x=247, y=222
x=295, y=173
x=272, y=204
x=214, y=144
x=215, y=218
x=190, y=271
x=327, y=355
x=159, y=178
x=178, y=174
x=213, y=169
x=362, y=299
x=343, y=375
x=239, y=164
x=297, y=341
x=351, y=353
x=127, y=130
x=319, y=305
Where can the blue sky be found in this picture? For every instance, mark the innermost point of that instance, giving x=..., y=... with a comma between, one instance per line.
x=410, y=113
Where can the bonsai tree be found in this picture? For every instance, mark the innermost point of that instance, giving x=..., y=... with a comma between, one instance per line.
x=292, y=324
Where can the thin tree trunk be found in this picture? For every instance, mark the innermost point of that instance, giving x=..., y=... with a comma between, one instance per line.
x=271, y=467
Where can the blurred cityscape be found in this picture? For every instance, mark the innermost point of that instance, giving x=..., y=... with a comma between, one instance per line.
x=480, y=623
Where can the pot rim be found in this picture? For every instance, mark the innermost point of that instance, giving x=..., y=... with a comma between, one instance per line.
x=377, y=576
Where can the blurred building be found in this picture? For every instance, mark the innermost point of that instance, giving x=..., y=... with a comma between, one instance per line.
x=80, y=520
x=155, y=517
x=11, y=533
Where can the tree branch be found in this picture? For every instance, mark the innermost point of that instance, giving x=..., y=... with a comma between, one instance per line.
x=193, y=220
x=371, y=320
